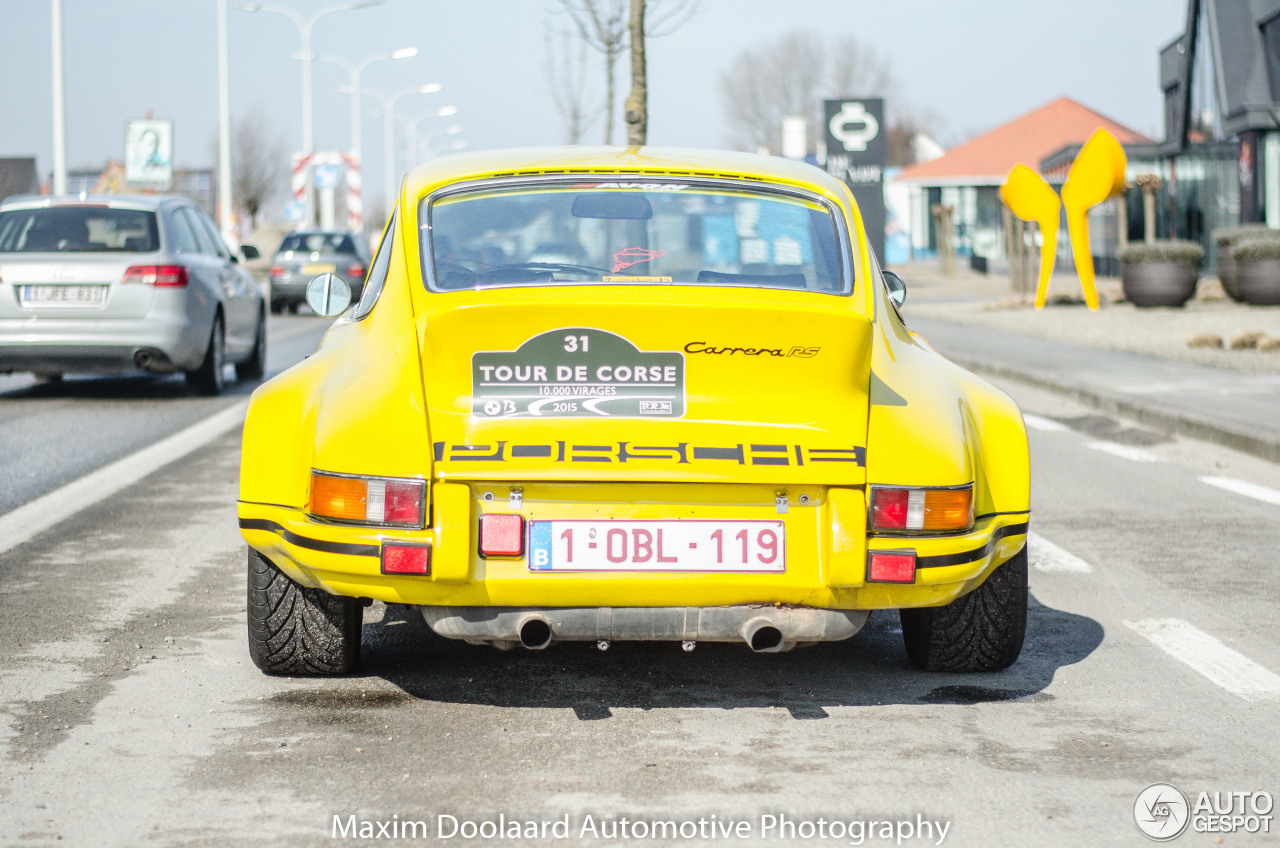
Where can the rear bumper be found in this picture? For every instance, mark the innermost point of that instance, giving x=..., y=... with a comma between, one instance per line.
x=827, y=549
x=160, y=344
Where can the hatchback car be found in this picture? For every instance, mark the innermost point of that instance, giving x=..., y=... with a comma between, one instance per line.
x=112, y=284
x=303, y=255
x=703, y=419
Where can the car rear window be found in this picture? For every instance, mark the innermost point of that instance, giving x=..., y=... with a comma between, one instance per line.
x=318, y=243
x=631, y=232
x=78, y=229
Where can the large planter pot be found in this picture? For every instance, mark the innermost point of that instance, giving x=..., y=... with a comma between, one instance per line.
x=1258, y=281
x=1158, y=283
x=1227, y=274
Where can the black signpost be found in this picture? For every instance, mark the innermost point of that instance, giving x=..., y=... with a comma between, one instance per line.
x=854, y=130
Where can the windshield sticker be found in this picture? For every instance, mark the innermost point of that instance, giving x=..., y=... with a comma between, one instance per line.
x=577, y=372
x=608, y=278
x=629, y=256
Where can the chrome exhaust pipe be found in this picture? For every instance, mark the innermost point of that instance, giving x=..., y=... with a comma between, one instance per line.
x=535, y=633
x=143, y=358
x=762, y=637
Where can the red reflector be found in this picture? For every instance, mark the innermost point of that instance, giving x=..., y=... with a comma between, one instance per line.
x=161, y=276
x=891, y=567
x=501, y=535
x=355, y=271
x=406, y=559
x=403, y=502
x=277, y=270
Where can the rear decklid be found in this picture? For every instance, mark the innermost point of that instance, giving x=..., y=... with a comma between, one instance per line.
x=657, y=383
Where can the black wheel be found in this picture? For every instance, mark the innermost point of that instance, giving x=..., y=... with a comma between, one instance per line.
x=278, y=307
x=255, y=367
x=296, y=630
x=209, y=379
x=981, y=631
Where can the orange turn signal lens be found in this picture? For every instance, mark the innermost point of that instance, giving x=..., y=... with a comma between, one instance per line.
x=948, y=509
x=343, y=498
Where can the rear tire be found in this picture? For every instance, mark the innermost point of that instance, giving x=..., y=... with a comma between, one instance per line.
x=296, y=630
x=208, y=379
x=982, y=631
x=255, y=367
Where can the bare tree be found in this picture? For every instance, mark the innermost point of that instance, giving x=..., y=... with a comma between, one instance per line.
x=790, y=76
x=605, y=26
x=602, y=26
x=259, y=162
x=566, y=74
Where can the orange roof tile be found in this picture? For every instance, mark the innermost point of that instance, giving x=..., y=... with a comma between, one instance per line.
x=988, y=158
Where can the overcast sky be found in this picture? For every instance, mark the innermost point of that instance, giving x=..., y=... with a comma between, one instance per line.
x=972, y=63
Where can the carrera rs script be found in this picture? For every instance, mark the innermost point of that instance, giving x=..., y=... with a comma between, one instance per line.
x=800, y=351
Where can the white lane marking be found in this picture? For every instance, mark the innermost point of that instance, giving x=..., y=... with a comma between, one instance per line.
x=1047, y=557
x=1047, y=425
x=1124, y=451
x=1240, y=487
x=45, y=511
x=1227, y=668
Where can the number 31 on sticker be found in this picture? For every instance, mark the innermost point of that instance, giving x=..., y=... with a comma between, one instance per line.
x=573, y=344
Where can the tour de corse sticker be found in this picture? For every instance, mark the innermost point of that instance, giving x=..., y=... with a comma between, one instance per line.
x=577, y=372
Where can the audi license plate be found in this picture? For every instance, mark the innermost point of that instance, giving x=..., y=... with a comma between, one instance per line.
x=690, y=545
x=63, y=295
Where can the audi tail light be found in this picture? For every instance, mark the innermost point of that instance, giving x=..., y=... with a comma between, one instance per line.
x=160, y=276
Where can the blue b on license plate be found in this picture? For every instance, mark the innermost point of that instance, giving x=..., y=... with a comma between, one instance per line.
x=671, y=545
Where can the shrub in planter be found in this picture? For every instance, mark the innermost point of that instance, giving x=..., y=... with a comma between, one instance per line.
x=1163, y=273
x=1226, y=239
x=1258, y=270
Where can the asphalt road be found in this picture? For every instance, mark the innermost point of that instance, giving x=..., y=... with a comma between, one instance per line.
x=131, y=715
x=54, y=433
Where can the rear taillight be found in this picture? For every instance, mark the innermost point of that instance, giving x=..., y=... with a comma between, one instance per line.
x=368, y=500
x=160, y=276
x=891, y=567
x=277, y=271
x=502, y=534
x=921, y=509
x=355, y=272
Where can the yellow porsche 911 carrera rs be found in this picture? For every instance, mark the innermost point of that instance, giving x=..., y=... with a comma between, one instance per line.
x=631, y=394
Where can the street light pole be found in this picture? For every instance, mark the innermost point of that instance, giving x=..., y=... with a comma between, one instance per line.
x=388, y=104
x=59, y=107
x=354, y=72
x=225, y=216
x=305, y=26
x=416, y=143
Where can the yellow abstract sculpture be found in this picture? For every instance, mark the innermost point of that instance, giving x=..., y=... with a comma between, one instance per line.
x=1096, y=175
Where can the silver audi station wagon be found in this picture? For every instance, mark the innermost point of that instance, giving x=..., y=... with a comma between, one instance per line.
x=115, y=283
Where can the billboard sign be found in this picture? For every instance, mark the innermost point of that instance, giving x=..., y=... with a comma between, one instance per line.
x=148, y=153
x=856, y=149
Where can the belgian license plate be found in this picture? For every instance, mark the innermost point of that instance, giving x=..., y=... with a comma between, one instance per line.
x=686, y=545
x=63, y=295
x=319, y=268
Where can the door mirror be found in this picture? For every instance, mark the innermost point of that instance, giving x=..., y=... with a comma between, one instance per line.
x=328, y=295
x=250, y=252
x=897, y=288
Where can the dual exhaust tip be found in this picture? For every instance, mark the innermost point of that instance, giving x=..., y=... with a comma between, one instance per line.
x=759, y=634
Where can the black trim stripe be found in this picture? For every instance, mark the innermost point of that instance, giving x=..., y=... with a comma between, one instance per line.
x=975, y=554
x=305, y=542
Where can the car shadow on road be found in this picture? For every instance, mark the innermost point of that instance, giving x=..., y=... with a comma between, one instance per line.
x=124, y=387
x=870, y=669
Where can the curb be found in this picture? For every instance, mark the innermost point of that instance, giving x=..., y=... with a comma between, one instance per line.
x=1259, y=443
